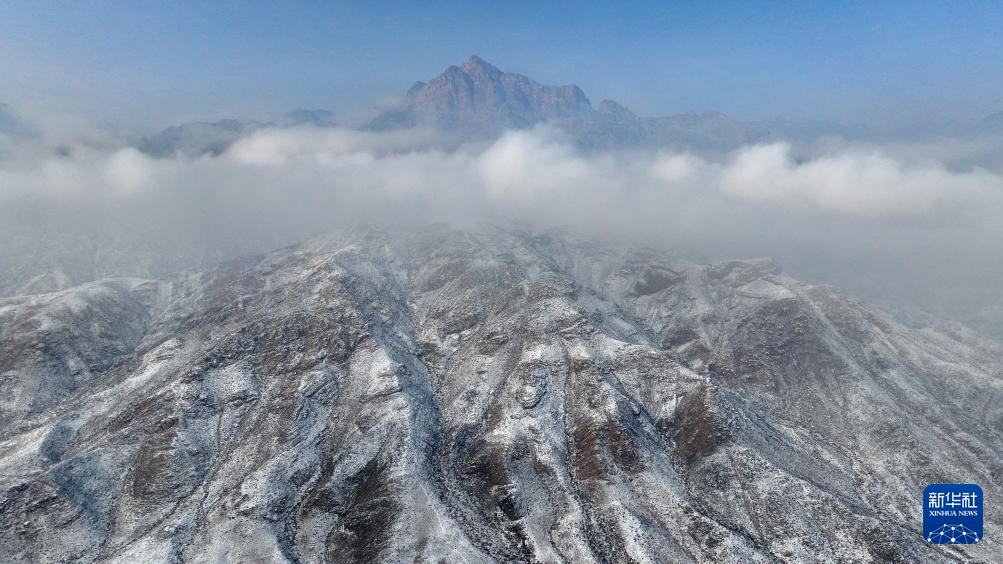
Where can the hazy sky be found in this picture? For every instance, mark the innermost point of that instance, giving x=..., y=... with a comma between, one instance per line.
x=888, y=64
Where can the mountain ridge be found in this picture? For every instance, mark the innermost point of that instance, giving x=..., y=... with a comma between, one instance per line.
x=479, y=97
x=213, y=138
x=482, y=395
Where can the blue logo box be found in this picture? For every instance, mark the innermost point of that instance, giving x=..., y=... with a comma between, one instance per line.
x=952, y=514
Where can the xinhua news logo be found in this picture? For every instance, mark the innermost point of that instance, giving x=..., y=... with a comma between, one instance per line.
x=952, y=513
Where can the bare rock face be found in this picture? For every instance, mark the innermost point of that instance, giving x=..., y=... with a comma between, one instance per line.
x=483, y=396
x=478, y=86
x=478, y=94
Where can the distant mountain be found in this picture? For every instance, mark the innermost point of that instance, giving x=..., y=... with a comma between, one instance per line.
x=303, y=116
x=477, y=97
x=214, y=138
x=198, y=138
x=479, y=94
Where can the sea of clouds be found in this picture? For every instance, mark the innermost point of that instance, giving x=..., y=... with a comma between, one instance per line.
x=894, y=217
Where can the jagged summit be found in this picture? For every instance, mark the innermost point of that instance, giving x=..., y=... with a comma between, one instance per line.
x=476, y=64
x=479, y=94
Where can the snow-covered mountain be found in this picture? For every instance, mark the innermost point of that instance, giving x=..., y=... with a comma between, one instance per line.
x=436, y=395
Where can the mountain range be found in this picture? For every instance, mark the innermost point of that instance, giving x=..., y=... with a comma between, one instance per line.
x=478, y=97
x=479, y=100
x=483, y=395
x=213, y=138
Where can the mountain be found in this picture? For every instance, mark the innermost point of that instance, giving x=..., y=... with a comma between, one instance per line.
x=478, y=94
x=304, y=116
x=200, y=138
x=430, y=395
x=477, y=97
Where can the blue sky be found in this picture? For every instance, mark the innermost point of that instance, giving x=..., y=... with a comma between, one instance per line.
x=889, y=64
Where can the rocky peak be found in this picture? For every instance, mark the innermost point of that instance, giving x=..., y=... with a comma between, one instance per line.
x=476, y=65
x=478, y=92
x=478, y=98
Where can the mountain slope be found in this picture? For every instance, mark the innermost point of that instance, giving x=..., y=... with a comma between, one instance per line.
x=482, y=396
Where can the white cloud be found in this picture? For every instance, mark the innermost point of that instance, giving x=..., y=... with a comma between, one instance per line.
x=276, y=147
x=534, y=173
x=871, y=185
x=847, y=205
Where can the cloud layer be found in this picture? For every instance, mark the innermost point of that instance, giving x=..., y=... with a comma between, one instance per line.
x=817, y=210
x=535, y=173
